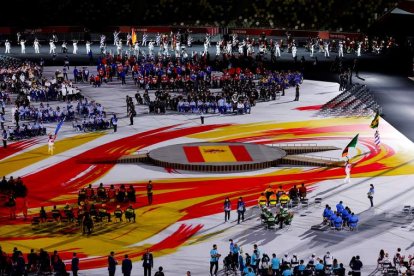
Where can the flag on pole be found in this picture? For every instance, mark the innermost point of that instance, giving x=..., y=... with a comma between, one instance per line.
x=134, y=36
x=351, y=144
x=375, y=121
x=377, y=138
x=59, y=125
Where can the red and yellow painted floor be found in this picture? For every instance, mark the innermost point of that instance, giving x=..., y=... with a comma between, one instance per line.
x=178, y=199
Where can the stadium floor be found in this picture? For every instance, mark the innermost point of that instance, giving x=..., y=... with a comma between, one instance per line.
x=187, y=217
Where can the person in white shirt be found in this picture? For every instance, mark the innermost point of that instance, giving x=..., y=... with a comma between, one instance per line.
x=36, y=46
x=326, y=49
x=119, y=47
x=88, y=47
x=23, y=46
x=75, y=47
x=341, y=49
x=52, y=47
x=7, y=45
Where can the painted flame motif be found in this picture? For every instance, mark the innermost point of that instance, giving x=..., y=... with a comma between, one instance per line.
x=180, y=199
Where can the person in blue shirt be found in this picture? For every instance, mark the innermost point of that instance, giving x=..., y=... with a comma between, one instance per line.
x=333, y=218
x=214, y=259
x=339, y=207
x=231, y=245
x=275, y=264
x=255, y=260
x=319, y=266
x=345, y=214
x=248, y=271
x=236, y=251
x=301, y=266
x=338, y=223
x=353, y=221
x=242, y=264
x=327, y=213
x=287, y=272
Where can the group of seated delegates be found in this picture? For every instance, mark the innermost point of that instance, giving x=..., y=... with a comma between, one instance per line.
x=92, y=208
x=25, y=131
x=402, y=263
x=84, y=107
x=102, y=194
x=241, y=106
x=270, y=197
x=46, y=113
x=260, y=263
x=39, y=263
x=343, y=216
x=94, y=123
x=12, y=189
x=97, y=212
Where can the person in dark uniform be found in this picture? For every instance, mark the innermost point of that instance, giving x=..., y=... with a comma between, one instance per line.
x=42, y=214
x=118, y=213
x=112, y=264
x=56, y=213
x=297, y=93
x=130, y=213
x=126, y=266
x=5, y=136
x=12, y=206
x=148, y=263
x=87, y=223
x=131, y=194
x=103, y=213
x=75, y=264
x=131, y=117
x=149, y=192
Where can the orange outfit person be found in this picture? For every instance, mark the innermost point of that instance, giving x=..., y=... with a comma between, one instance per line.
x=262, y=200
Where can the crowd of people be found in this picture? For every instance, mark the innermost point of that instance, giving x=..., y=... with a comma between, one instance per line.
x=257, y=262
x=400, y=263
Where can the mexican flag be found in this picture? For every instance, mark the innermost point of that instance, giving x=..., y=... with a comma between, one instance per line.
x=375, y=121
x=351, y=144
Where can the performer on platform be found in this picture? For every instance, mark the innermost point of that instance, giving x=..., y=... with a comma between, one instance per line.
x=341, y=49
x=158, y=39
x=136, y=49
x=88, y=47
x=64, y=47
x=52, y=47
x=102, y=44
x=75, y=47
x=36, y=46
x=119, y=47
x=144, y=39
x=23, y=46
x=7, y=45
x=116, y=37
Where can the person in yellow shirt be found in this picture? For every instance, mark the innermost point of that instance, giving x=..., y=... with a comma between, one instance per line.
x=284, y=199
x=272, y=200
x=262, y=200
